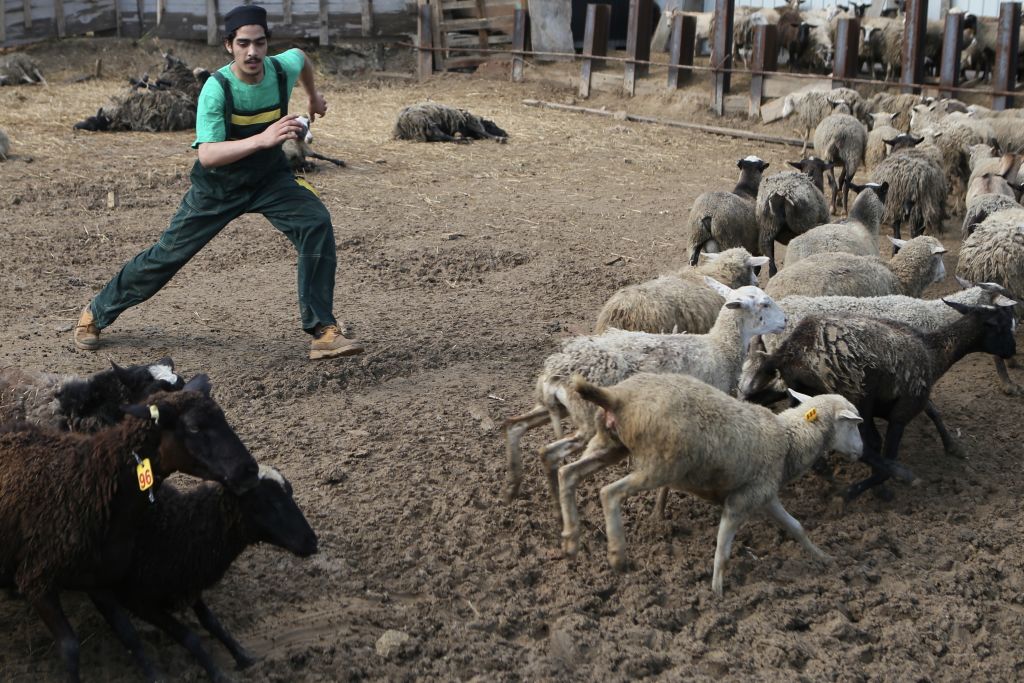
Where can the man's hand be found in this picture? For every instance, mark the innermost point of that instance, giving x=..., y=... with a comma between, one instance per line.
x=317, y=105
x=285, y=128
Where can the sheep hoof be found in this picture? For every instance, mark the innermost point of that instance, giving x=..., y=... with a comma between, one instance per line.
x=837, y=506
x=884, y=493
x=571, y=547
x=824, y=558
x=1012, y=389
x=617, y=560
x=957, y=451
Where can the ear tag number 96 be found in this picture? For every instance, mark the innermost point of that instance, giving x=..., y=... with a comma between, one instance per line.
x=144, y=471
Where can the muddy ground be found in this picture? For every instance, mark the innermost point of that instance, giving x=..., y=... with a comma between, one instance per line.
x=462, y=267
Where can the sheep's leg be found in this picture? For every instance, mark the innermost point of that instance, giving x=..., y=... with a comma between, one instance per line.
x=553, y=455
x=185, y=636
x=1010, y=388
x=951, y=447
x=660, y=504
x=768, y=249
x=727, y=528
x=515, y=427
x=897, y=223
x=50, y=611
x=321, y=157
x=569, y=477
x=435, y=134
x=209, y=620
x=795, y=530
x=612, y=496
x=118, y=620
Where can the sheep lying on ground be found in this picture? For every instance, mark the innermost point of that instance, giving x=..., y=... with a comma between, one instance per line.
x=168, y=107
x=994, y=252
x=433, y=122
x=917, y=265
x=856, y=235
x=790, y=204
x=5, y=145
x=926, y=315
x=886, y=368
x=841, y=139
x=187, y=541
x=78, y=404
x=86, y=541
x=715, y=358
x=723, y=220
x=298, y=151
x=18, y=69
x=681, y=433
x=681, y=302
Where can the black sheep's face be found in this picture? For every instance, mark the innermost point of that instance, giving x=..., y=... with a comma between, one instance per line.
x=274, y=517
x=999, y=327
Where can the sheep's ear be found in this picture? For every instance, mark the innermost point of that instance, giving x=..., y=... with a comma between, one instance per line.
x=796, y=164
x=1003, y=301
x=964, y=283
x=166, y=360
x=798, y=396
x=938, y=249
x=958, y=307
x=708, y=256
x=891, y=142
x=200, y=383
x=718, y=286
x=892, y=117
x=855, y=187
x=899, y=244
x=850, y=415
x=758, y=261
x=159, y=413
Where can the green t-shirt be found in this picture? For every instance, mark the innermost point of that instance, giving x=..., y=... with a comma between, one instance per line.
x=210, y=110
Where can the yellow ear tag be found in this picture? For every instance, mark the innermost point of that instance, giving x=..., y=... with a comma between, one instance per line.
x=144, y=471
x=811, y=415
x=154, y=413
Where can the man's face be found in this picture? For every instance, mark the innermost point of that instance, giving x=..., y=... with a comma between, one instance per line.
x=248, y=49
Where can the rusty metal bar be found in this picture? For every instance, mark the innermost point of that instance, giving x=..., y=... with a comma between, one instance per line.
x=425, y=40
x=1004, y=77
x=518, y=44
x=638, y=43
x=765, y=58
x=952, y=45
x=721, y=53
x=847, y=58
x=682, y=45
x=595, y=43
x=914, y=27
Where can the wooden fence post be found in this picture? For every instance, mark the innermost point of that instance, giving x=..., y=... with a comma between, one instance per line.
x=425, y=40
x=518, y=43
x=952, y=40
x=211, y=22
x=914, y=28
x=595, y=43
x=638, y=42
x=721, y=53
x=1004, y=77
x=325, y=30
x=847, y=61
x=682, y=45
x=58, y=17
x=765, y=58
x=26, y=8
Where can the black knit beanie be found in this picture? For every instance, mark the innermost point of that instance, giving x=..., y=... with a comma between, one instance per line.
x=245, y=15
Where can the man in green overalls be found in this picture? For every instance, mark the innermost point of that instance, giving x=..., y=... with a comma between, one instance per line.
x=241, y=122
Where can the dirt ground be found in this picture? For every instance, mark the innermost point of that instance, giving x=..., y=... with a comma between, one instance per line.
x=462, y=267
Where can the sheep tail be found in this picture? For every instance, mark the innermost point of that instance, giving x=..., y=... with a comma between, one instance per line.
x=599, y=396
x=777, y=207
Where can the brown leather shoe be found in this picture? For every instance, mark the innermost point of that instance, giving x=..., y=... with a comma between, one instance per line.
x=87, y=335
x=331, y=343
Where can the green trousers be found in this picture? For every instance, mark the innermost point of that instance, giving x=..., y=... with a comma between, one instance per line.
x=291, y=207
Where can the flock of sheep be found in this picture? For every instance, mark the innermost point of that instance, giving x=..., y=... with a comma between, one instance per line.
x=679, y=370
x=807, y=38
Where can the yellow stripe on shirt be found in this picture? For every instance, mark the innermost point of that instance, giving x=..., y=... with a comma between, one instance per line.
x=265, y=117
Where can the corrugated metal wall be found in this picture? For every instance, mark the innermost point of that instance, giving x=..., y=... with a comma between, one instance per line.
x=186, y=19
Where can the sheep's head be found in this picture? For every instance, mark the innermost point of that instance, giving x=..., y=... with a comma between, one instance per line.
x=306, y=135
x=753, y=163
x=999, y=324
x=904, y=141
x=814, y=168
x=880, y=190
x=759, y=314
x=928, y=245
x=273, y=515
x=846, y=437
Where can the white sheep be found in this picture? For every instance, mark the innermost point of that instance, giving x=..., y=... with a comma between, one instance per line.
x=715, y=358
x=918, y=190
x=723, y=220
x=857, y=235
x=841, y=139
x=994, y=252
x=917, y=265
x=882, y=129
x=811, y=107
x=987, y=184
x=981, y=207
x=680, y=302
x=298, y=151
x=681, y=433
x=5, y=145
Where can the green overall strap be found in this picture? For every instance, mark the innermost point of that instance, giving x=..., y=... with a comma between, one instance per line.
x=229, y=105
x=282, y=86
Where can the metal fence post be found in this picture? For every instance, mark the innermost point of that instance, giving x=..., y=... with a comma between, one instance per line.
x=638, y=42
x=952, y=40
x=914, y=28
x=765, y=58
x=1004, y=77
x=721, y=52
